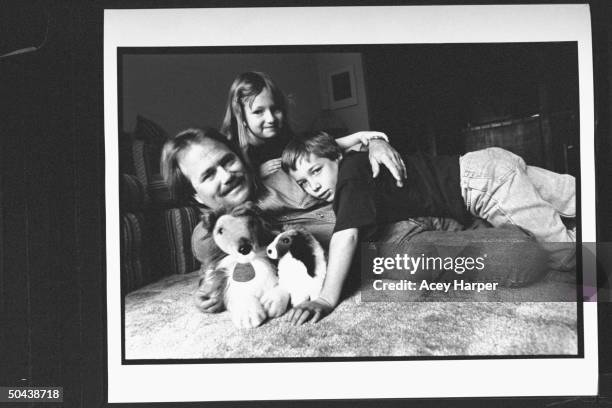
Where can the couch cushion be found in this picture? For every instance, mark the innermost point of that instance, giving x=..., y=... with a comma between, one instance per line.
x=147, y=144
x=178, y=227
x=132, y=194
x=160, y=193
x=126, y=157
x=149, y=139
x=135, y=267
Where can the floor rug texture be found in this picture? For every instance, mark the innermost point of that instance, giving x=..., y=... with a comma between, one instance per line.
x=161, y=322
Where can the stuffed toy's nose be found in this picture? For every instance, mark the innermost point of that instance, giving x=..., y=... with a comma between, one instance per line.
x=245, y=248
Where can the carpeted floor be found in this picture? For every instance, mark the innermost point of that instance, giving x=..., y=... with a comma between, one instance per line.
x=161, y=322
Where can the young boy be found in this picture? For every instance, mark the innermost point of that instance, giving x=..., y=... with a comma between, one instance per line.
x=492, y=184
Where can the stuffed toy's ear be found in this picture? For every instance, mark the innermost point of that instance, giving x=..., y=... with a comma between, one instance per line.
x=209, y=218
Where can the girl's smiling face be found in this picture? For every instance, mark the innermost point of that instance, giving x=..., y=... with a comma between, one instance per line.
x=263, y=117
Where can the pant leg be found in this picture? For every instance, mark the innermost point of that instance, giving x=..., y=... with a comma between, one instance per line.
x=512, y=258
x=495, y=186
x=557, y=189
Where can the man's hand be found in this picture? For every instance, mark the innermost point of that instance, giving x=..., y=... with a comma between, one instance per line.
x=209, y=295
x=311, y=311
x=381, y=152
x=207, y=304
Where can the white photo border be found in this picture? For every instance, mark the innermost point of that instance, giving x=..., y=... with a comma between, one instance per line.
x=328, y=26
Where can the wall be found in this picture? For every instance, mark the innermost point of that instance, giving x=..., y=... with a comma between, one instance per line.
x=356, y=116
x=179, y=90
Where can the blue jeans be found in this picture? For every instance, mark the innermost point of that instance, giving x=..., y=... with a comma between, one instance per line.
x=512, y=259
x=499, y=187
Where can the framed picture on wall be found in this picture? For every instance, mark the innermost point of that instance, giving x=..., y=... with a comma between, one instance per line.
x=341, y=88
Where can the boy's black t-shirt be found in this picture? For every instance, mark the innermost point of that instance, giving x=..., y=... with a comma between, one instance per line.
x=432, y=188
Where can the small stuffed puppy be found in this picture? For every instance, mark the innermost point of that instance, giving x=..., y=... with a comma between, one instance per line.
x=250, y=291
x=301, y=263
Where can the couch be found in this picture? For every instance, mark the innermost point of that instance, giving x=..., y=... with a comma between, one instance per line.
x=155, y=230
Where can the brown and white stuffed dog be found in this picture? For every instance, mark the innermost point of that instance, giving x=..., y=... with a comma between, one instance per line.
x=301, y=263
x=245, y=275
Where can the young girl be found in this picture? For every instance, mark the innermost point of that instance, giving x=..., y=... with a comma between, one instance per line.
x=256, y=117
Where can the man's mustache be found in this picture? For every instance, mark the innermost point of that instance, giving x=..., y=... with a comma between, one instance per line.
x=236, y=180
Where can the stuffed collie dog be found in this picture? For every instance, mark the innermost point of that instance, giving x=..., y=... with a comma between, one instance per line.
x=301, y=263
x=250, y=289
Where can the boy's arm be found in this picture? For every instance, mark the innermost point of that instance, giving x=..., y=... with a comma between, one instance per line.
x=341, y=250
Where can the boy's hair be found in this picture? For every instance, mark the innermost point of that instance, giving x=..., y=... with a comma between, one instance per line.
x=318, y=143
x=180, y=187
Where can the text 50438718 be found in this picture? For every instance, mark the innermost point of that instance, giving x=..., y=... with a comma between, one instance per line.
x=31, y=394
